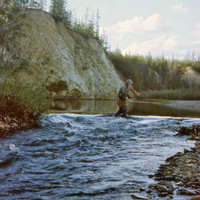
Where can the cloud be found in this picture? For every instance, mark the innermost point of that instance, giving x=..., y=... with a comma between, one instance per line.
x=179, y=7
x=137, y=24
x=155, y=46
x=141, y=35
x=196, y=30
x=165, y=45
x=155, y=22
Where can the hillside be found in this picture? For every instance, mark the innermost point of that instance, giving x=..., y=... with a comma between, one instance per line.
x=54, y=53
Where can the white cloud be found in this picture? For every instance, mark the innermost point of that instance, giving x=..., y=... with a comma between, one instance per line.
x=155, y=46
x=137, y=25
x=155, y=22
x=164, y=44
x=152, y=34
x=179, y=7
x=196, y=46
x=196, y=30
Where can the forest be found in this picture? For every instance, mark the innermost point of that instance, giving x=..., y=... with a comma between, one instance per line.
x=160, y=78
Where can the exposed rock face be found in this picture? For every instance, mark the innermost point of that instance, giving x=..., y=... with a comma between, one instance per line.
x=57, y=53
x=191, y=77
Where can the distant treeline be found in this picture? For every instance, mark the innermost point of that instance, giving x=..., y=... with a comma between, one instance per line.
x=158, y=73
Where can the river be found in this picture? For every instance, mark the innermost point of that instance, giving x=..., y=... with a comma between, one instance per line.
x=82, y=152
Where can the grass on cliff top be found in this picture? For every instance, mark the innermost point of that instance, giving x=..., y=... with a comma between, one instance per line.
x=25, y=102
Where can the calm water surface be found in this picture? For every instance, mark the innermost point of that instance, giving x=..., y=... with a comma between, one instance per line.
x=134, y=108
x=88, y=156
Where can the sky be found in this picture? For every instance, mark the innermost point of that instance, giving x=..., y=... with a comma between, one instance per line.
x=169, y=28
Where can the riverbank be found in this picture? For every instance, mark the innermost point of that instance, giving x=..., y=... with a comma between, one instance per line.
x=12, y=124
x=8, y=124
x=185, y=105
x=181, y=172
x=20, y=104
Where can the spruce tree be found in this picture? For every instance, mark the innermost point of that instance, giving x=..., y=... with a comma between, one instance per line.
x=97, y=25
x=60, y=13
x=57, y=9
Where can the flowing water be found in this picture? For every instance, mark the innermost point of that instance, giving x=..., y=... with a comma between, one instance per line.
x=86, y=157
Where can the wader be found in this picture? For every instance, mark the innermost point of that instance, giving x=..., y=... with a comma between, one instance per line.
x=121, y=101
x=122, y=111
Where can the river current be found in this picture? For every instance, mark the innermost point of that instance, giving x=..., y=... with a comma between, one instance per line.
x=87, y=157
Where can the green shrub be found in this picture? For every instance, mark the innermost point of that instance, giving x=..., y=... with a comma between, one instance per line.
x=24, y=101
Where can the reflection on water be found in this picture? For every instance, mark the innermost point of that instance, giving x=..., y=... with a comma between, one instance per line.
x=110, y=107
x=142, y=108
x=85, y=106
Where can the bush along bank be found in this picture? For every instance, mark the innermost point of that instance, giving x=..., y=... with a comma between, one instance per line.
x=180, y=174
x=21, y=105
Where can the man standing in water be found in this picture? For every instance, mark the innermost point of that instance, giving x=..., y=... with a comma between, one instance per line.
x=121, y=100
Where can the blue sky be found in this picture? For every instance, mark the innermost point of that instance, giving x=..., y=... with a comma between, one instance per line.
x=161, y=27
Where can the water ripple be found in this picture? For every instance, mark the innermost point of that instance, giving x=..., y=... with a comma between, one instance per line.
x=87, y=156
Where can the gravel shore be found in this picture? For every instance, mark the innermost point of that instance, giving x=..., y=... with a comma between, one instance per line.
x=181, y=172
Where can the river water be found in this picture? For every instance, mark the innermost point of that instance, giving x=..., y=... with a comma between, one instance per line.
x=88, y=156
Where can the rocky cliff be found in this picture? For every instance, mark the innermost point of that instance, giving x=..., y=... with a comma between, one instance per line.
x=56, y=53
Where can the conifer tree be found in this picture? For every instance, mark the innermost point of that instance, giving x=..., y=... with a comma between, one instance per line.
x=58, y=9
x=60, y=13
x=91, y=27
x=97, y=25
x=86, y=16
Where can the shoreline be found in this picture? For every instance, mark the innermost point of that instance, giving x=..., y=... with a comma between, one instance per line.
x=13, y=124
x=191, y=105
x=186, y=105
x=180, y=174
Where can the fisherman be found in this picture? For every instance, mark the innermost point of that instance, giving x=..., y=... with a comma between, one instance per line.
x=122, y=96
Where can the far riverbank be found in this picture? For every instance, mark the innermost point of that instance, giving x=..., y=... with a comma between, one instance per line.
x=187, y=105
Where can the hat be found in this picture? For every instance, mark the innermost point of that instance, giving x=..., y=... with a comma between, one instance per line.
x=130, y=81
